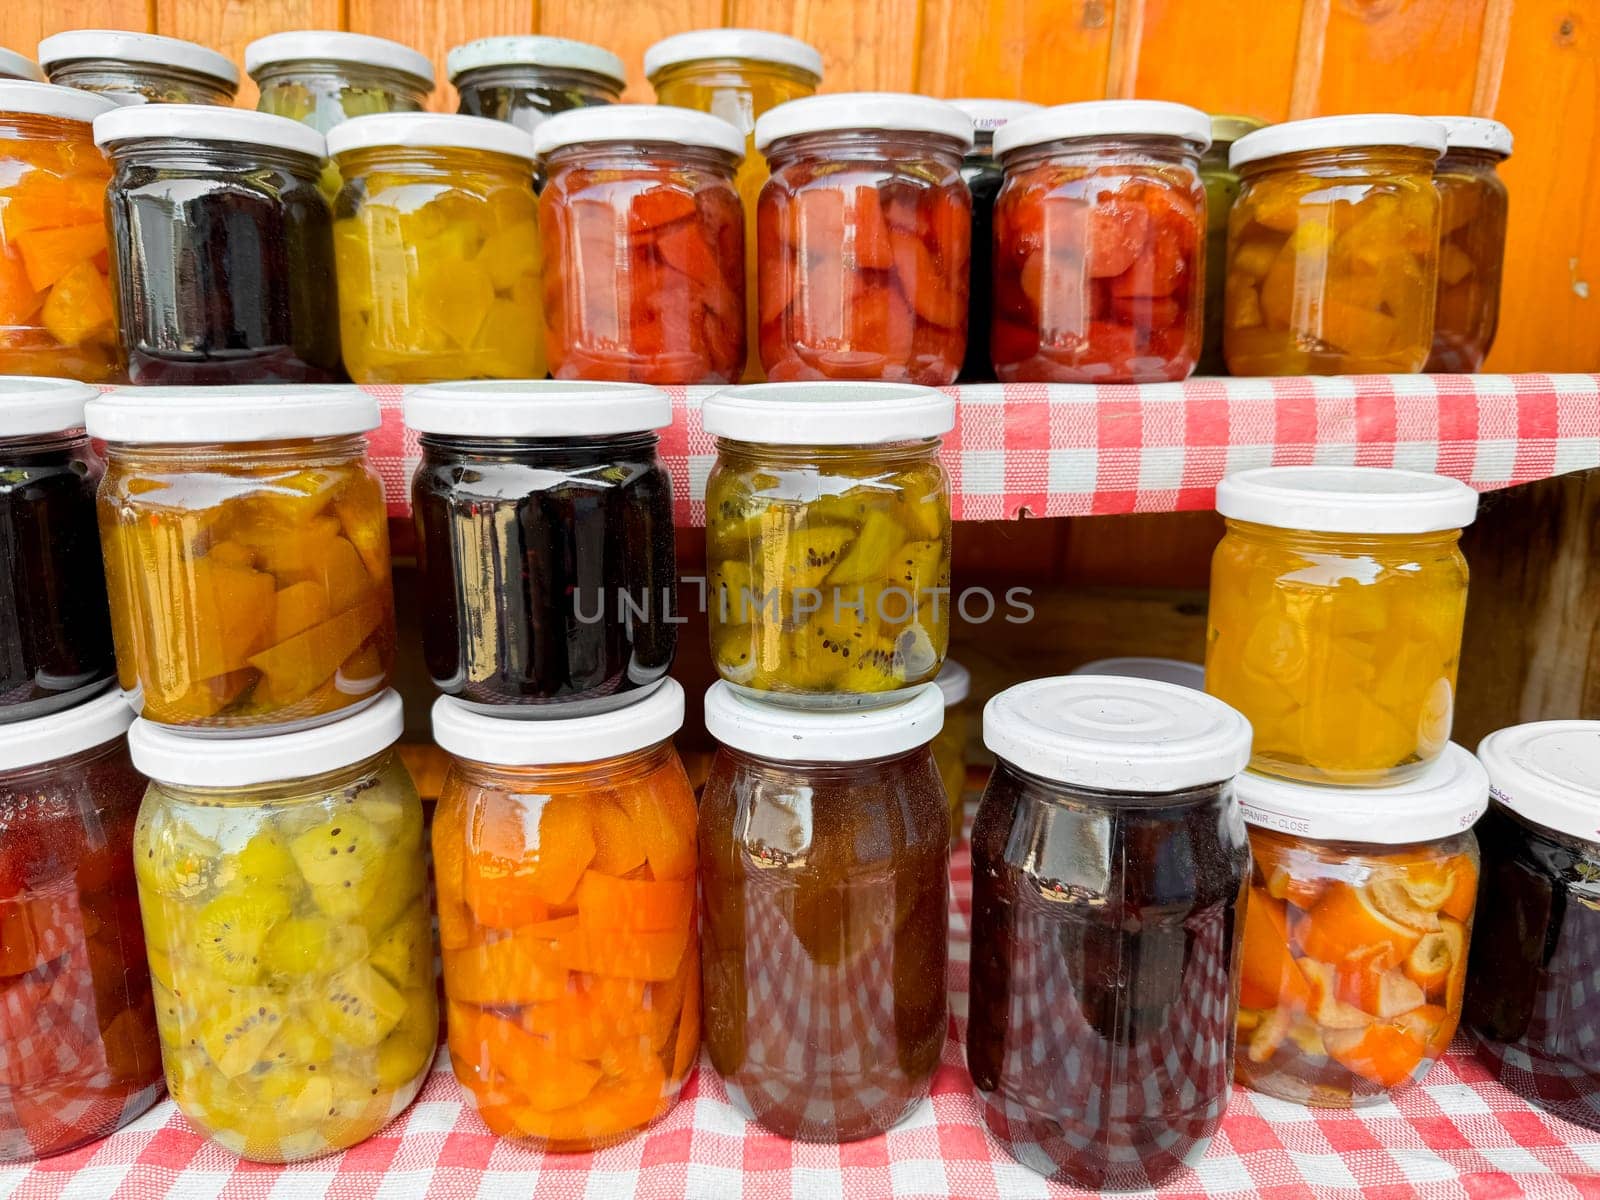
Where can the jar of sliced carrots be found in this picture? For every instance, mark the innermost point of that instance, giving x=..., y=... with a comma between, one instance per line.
x=564, y=857
x=1357, y=930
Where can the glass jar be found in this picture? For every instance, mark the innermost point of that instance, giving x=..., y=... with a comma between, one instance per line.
x=524, y=80
x=1337, y=601
x=56, y=314
x=1099, y=238
x=139, y=68
x=323, y=78
x=1110, y=867
x=246, y=544
x=643, y=246
x=738, y=75
x=222, y=242
x=564, y=854
x=19, y=66
x=864, y=237
x=1134, y=666
x=1333, y=247
x=55, y=631
x=545, y=544
x=286, y=912
x=825, y=884
x=436, y=237
x=828, y=541
x=1356, y=938
x=1221, y=182
x=1472, y=242
x=79, y=1056
x=950, y=747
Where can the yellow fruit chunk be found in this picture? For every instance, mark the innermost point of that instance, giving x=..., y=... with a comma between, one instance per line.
x=294, y=668
x=299, y=607
x=231, y=618
x=49, y=254
x=78, y=304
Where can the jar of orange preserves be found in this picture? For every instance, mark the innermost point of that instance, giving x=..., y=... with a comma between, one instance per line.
x=564, y=856
x=1472, y=242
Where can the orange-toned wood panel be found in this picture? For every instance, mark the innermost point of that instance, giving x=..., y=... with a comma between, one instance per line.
x=24, y=22
x=1194, y=52
x=231, y=27
x=433, y=26
x=628, y=26
x=1386, y=55
x=842, y=30
x=1048, y=51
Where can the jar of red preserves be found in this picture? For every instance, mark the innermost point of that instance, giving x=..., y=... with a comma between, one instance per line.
x=864, y=237
x=1100, y=228
x=643, y=245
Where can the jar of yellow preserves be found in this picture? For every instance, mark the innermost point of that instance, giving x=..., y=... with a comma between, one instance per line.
x=1472, y=242
x=1333, y=247
x=1337, y=600
x=436, y=240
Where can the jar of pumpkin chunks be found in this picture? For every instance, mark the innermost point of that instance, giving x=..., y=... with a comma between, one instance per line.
x=1357, y=931
x=246, y=544
x=564, y=855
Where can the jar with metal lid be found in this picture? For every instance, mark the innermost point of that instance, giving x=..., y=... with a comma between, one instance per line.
x=222, y=246
x=80, y=1057
x=1099, y=235
x=1338, y=596
x=545, y=544
x=19, y=66
x=825, y=888
x=246, y=544
x=1358, y=929
x=525, y=80
x=1333, y=247
x=828, y=541
x=1472, y=242
x=950, y=747
x=436, y=239
x=564, y=854
x=1222, y=189
x=1109, y=874
x=323, y=78
x=139, y=68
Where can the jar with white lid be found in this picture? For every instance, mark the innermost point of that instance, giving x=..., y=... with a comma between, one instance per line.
x=825, y=888
x=828, y=540
x=1109, y=867
x=323, y=77
x=20, y=67
x=1162, y=670
x=139, y=68
x=1473, y=207
x=526, y=80
x=950, y=747
x=1338, y=596
x=1358, y=931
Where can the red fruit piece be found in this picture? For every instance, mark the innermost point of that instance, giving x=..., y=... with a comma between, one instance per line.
x=1117, y=233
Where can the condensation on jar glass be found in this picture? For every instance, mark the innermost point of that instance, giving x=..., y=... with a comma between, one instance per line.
x=1221, y=182
x=828, y=541
x=20, y=66
x=1358, y=930
x=950, y=747
x=1099, y=242
x=825, y=889
x=526, y=80
x=285, y=899
x=643, y=245
x=864, y=235
x=323, y=78
x=1472, y=242
x=1110, y=867
x=564, y=856
x=139, y=68
x=246, y=543
x=1338, y=596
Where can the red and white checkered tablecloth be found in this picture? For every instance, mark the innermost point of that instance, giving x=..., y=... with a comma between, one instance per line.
x=1063, y=450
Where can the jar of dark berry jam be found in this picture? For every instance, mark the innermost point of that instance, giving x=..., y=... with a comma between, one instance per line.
x=222, y=246
x=527, y=80
x=545, y=544
x=1109, y=867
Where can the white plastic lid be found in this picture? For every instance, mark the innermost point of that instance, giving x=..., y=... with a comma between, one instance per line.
x=431, y=130
x=1338, y=133
x=1107, y=118
x=1114, y=734
x=758, y=45
x=331, y=45
x=34, y=404
x=866, y=111
x=178, y=416
x=823, y=735
x=536, y=408
x=49, y=100
x=19, y=66
x=513, y=742
x=989, y=115
x=125, y=46
x=1549, y=773
x=62, y=734
x=183, y=760
x=955, y=681
x=553, y=53
x=637, y=123
x=206, y=123
x=1476, y=133
x=827, y=414
x=1163, y=670
x=1442, y=801
x=1347, y=500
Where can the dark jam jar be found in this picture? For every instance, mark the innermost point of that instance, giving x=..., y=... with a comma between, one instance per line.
x=825, y=888
x=525, y=80
x=223, y=246
x=1109, y=867
x=545, y=543
x=55, y=631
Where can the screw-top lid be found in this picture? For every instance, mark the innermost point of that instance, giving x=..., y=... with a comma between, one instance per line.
x=1106, y=118
x=551, y=53
x=823, y=735
x=332, y=45
x=536, y=408
x=1114, y=734
x=1339, y=133
x=637, y=123
x=513, y=742
x=1549, y=773
x=955, y=681
x=1347, y=500
x=1443, y=800
x=431, y=130
x=1476, y=133
x=33, y=404
x=1228, y=128
x=847, y=111
x=178, y=416
x=1163, y=670
x=756, y=45
x=989, y=115
x=59, y=735
x=205, y=123
x=142, y=48
x=48, y=100
x=19, y=66
x=828, y=414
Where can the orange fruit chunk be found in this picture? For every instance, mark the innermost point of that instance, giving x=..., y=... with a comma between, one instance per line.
x=546, y=1078
x=78, y=304
x=48, y=254
x=525, y=854
x=294, y=668
x=231, y=618
x=1385, y=1054
x=517, y=968
x=19, y=299
x=1429, y=964
x=605, y=902
x=204, y=698
x=1269, y=975
x=618, y=846
x=1463, y=896
x=688, y=1044
x=592, y=1016
x=1384, y=994
x=1346, y=921
x=628, y=953
x=42, y=200
x=664, y=814
x=297, y=608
